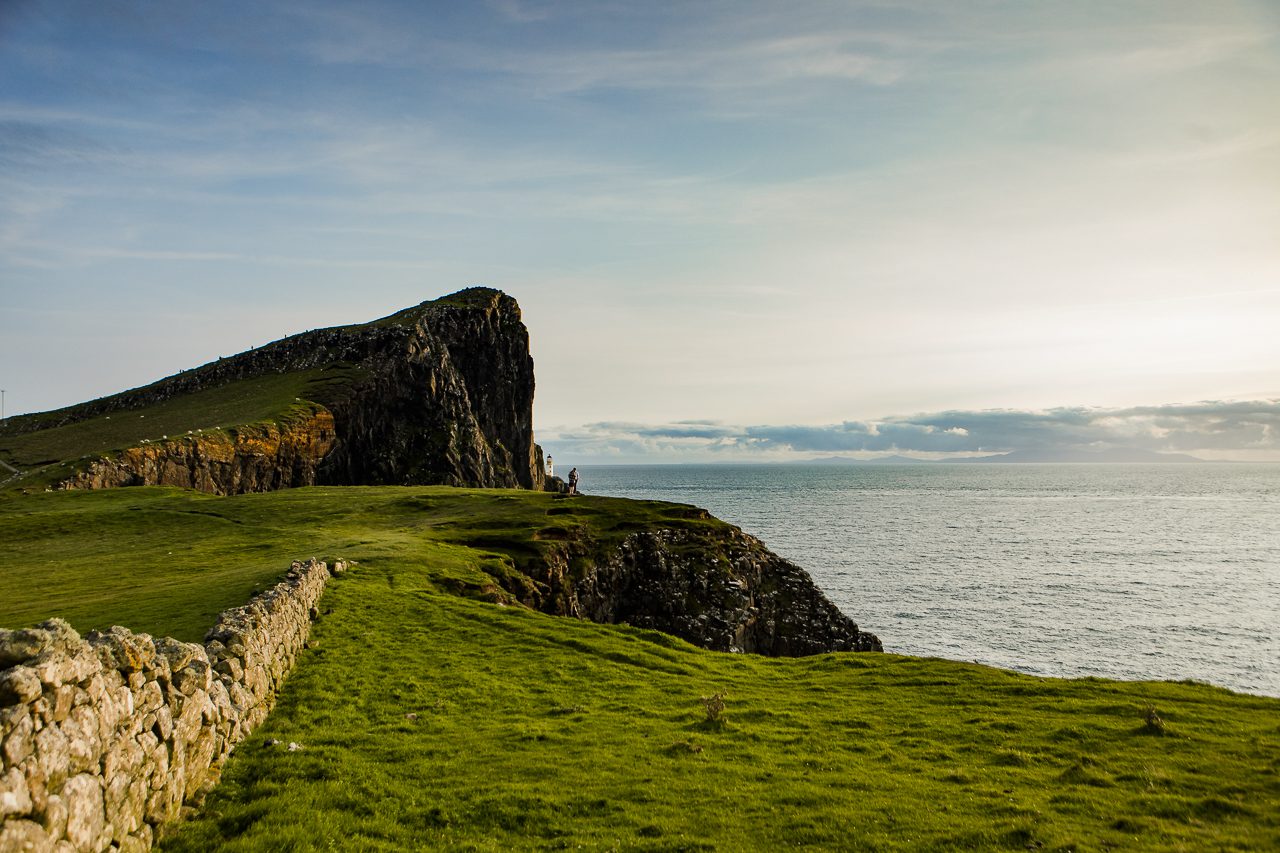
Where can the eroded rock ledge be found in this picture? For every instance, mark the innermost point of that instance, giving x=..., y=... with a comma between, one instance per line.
x=716, y=587
x=260, y=458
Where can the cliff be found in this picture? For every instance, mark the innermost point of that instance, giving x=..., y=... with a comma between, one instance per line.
x=441, y=393
x=668, y=567
x=721, y=590
x=256, y=458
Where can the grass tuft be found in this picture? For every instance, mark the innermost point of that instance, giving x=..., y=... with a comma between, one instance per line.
x=1152, y=722
x=713, y=706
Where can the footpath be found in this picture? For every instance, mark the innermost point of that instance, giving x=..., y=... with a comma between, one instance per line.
x=13, y=475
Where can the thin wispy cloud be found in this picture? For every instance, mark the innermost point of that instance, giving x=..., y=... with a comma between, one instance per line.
x=744, y=68
x=772, y=215
x=521, y=11
x=758, y=50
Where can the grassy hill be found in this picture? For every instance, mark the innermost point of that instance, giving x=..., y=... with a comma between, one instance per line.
x=275, y=384
x=167, y=561
x=47, y=454
x=431, y=717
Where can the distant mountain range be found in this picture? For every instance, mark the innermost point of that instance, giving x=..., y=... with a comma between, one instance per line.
x=1114, y=455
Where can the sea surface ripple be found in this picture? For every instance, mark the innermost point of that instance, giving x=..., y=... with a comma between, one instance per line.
x=1167, y=571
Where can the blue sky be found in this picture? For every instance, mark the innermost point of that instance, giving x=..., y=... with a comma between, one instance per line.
x=725, y=222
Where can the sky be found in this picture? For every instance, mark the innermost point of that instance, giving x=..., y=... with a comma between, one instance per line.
x=738, y=231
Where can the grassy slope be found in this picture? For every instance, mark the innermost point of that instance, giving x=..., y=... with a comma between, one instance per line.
x=432, y=721
x=44, y=455
x=166, y=561
x=48, y=455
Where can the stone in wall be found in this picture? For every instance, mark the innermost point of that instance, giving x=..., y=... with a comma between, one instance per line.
x=104, y=738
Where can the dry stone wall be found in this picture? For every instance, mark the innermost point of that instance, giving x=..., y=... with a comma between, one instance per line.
x=104, y=738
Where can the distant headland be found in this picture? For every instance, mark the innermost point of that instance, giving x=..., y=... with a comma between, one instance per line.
x=1116, y=455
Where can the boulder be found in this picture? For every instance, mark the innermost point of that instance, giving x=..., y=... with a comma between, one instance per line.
x=15, y=796
x=19, y=685
x=86, y=816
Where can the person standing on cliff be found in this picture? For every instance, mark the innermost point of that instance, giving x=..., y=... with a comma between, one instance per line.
x=573, y=481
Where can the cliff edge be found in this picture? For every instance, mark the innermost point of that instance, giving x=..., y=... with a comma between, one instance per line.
x=668, y=567
x=714, y=586
x=441, y=393
x=438, y=394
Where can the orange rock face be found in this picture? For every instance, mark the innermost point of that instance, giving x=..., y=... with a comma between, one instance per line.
x=254, y=458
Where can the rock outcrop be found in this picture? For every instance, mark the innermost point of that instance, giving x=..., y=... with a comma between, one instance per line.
x=439, y=394
x=714, y=586
x=257, y=458
x=729, y=594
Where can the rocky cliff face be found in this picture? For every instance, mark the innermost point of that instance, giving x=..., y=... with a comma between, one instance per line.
x=439, y=394
x=448, y=401
x=249, y=459
x=715, y=587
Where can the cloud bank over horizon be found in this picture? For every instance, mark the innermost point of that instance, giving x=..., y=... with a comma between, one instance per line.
x=1211, y=430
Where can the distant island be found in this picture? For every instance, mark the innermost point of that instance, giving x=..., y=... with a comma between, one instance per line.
x=1113, y=455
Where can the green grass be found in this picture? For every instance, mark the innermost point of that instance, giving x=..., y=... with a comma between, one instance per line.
x=437, y=721
x=167, y=561
x=43, y=453
x=50, y=453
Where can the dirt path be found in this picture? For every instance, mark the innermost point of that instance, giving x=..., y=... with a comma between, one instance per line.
x=13, y=476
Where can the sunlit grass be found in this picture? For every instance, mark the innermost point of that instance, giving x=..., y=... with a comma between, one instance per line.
x=167, y=561
x=431, y=720
x=435, y=722
x=46, y=454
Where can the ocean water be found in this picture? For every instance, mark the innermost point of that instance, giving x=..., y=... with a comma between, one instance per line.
x=1123, y=571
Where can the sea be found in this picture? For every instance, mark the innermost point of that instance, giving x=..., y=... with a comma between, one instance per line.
x=1137, y=572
